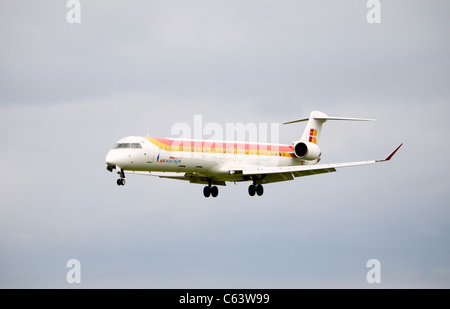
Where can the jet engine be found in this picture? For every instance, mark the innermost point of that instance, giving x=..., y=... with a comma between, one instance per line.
x=307, y=151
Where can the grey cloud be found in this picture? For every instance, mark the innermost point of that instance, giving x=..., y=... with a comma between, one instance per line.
x=68, y=92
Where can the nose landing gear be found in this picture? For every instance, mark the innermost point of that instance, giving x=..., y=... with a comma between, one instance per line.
x=121, y=180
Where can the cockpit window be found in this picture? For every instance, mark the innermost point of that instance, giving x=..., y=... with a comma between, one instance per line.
x=123, y=145
x=127, y=145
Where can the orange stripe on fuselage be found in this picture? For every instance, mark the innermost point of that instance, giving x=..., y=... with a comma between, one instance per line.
x=221, y=147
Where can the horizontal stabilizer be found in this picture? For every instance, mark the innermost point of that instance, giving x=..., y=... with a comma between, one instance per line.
x=331, y=118
x=313, y=128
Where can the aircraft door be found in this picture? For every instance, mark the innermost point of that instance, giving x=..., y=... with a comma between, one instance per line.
x=151, y=152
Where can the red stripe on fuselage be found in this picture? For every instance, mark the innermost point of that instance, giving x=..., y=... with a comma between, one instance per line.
x=223, y=144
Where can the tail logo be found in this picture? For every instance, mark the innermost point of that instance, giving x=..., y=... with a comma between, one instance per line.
x=312, y=136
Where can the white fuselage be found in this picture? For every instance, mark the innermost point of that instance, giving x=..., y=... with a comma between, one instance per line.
x=208, y=158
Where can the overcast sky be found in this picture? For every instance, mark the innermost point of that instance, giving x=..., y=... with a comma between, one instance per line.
x=68, y=92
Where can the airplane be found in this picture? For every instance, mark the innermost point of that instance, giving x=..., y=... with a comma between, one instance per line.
x=213, y=163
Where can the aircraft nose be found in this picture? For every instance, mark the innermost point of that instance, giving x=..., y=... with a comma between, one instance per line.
x=111, y=158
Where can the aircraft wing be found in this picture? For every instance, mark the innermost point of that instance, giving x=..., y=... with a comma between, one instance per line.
x=160, y=174
x=191, y=177
x=264, y=174
x=275, y=174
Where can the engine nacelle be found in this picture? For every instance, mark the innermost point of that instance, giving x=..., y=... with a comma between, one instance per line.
x=307, y=151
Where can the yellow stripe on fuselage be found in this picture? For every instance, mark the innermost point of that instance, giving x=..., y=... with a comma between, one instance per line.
x=233, y=150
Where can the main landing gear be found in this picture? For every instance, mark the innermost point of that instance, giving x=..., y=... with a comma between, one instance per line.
x=254, y=188
x=210, y=191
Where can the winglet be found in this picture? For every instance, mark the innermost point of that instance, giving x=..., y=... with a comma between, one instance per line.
x=391, y=155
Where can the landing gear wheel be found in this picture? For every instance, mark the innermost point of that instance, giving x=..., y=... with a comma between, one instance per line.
x=207, y=191
x=259, y=190
x=252, y=190
x=214, y=191
x=120, y=182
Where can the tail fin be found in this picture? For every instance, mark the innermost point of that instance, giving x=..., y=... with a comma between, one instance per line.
x=314, y=126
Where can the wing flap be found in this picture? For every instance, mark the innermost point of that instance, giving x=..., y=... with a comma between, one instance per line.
x=313, y=172
x=302, y=170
